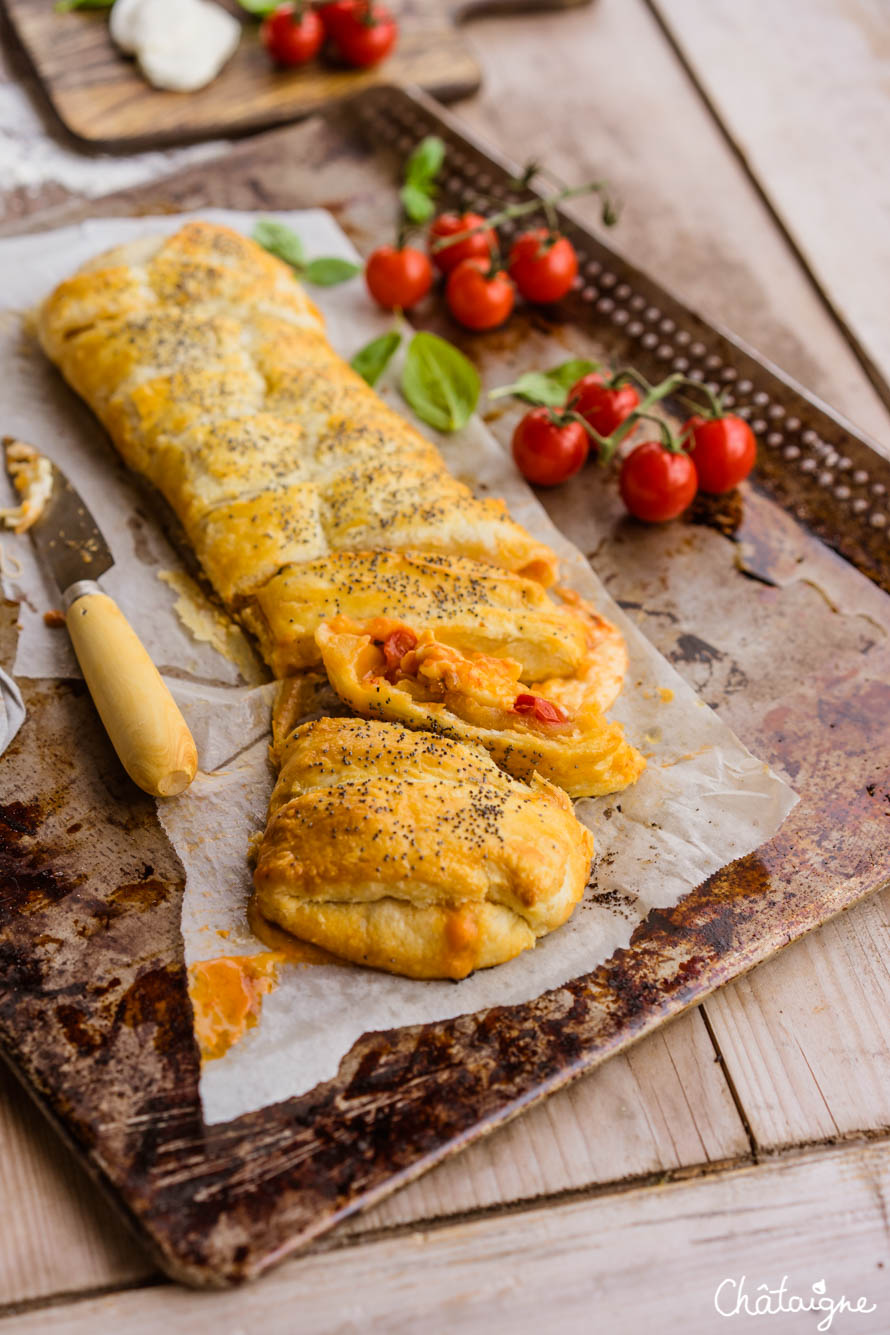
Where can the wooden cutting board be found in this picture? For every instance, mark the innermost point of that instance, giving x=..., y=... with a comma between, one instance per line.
x=101, y=97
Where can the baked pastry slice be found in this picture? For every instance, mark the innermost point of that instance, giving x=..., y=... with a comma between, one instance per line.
x=414, y=853
x=465, y=603
x=384, y=669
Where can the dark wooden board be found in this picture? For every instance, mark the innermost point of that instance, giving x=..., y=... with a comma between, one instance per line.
x=94, y=1011
x=102, y=99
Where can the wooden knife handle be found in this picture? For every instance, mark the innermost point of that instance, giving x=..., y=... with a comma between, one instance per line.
x=140, y=715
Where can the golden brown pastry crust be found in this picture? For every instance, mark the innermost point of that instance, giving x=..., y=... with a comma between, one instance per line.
x=308, y=500
x=414, y=853
x=209, y=366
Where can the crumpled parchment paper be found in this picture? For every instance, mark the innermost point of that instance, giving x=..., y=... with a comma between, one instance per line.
x=703, y=801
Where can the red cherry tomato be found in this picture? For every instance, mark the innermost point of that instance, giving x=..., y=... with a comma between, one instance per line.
x=477, y=298
x=333, y=13
x=546, y=450
x=542, y=266
x=541, y=710
x=477, y=246
x=292, y=34
x=657, y=484
x=363, y=33
x=603, y=406
x=398, y=279
x=724, y=450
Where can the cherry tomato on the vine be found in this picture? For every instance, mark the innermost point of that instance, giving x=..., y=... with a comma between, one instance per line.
x=604, y=406
x=478, y=298
x=362, y=33
x=656, y=483
x=333, y=13
x=477, y=246
x=398, y=279
x=548, y=449
x=724, y=450
x=543, y=265
x=292, y=34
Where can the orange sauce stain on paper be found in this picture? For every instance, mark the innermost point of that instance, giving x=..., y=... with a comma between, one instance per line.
x=227, y=993
x=227, y=997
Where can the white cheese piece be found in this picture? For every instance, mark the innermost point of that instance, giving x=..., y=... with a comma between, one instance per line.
x=124, y=24
x=32, y=476
x=180, y=45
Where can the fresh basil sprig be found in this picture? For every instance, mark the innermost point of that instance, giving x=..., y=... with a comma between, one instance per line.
x=63, y=6
x=549, y=388
x=260, y=8
x=372, y=360
x=283, y=242
x=418, y=193
x=439, y=383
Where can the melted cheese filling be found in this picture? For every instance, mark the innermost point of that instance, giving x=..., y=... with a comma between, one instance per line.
x=477, y=688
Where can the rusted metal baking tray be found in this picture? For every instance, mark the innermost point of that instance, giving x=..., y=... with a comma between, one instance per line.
x=774, y=605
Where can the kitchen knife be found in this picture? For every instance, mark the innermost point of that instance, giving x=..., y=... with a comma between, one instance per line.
x=140, y=715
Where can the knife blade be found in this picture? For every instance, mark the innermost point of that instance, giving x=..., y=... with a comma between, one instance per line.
x=140, y=715
x=67, y=538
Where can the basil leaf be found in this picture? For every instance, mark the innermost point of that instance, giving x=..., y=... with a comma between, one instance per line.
x=280, y=240
x=439, y=383
x=330, y=270
x=63, y=6
x=425, y=162
x=421, y=170
x=259, y=7
x=372, y=360
x=549, y=388
x=569, y=373
x=417, y=203
x=533, y=387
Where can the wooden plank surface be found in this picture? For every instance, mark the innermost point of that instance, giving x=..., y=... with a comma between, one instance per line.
x=801, y=88
x=805, y=1037
x=721, y=249
x=641, y=1260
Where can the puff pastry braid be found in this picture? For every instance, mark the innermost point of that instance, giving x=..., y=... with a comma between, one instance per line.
x=340, y=864
x=308, y=500
x=210, y=368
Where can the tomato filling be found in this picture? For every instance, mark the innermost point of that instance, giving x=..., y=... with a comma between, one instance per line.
x=480, y=689
x=395, y=647
x=541, y=710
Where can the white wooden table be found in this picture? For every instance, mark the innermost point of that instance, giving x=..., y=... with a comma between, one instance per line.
x=749, y=144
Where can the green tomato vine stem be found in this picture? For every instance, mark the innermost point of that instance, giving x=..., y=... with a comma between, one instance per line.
x=519, y=211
